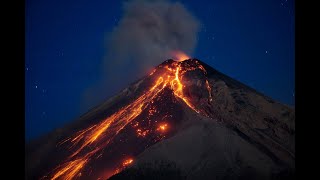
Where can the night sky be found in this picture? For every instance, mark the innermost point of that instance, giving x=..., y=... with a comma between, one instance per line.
x=249, y=40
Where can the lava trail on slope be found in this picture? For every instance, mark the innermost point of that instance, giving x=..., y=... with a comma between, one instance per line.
x=110, y=145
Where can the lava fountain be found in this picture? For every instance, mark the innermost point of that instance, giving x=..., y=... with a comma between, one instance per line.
x=179, y=56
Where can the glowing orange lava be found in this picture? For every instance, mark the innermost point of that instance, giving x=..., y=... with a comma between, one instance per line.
x=127, y=162
x=71, y=169
x=87, y=142
x=124, y=165
x=163, y=127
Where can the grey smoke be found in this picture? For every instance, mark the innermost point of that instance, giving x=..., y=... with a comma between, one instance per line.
x=149, y=31
x=145, y=36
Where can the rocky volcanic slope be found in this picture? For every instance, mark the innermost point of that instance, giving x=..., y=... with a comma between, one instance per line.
x=239, y=134
x=247, y=136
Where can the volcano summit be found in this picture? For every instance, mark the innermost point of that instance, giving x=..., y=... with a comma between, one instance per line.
x=185, y=120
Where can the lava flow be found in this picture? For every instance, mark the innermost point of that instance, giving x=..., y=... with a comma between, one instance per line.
x=86, y=144
x=124, y=165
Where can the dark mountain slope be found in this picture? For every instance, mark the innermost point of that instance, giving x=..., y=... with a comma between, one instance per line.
x=185, y=119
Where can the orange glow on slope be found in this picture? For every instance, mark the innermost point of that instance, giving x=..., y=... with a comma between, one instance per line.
x=179, y=56
x=142, y=133
x=93, y=134
x=163, y=127
x=70, y=169
x=209, y=90
x=87, y=142
x=124, y=165
x=177, y=88
x=127, y=162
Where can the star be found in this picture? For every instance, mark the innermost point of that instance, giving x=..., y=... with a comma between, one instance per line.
x=266, y=52
x=27, y=68
x=36, y=87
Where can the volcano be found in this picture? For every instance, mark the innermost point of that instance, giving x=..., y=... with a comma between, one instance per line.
x=184, y=120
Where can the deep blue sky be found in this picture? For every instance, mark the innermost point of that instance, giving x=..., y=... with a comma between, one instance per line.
x=249, y=40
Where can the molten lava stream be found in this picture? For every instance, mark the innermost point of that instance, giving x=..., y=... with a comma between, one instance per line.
x=95, y=133
x=89, y=141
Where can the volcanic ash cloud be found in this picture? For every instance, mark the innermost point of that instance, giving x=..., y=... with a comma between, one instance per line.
x=146, y=35
x=148, y=32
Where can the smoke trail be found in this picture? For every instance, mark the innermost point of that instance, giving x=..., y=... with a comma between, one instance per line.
x=144, y=37
x=149, y=31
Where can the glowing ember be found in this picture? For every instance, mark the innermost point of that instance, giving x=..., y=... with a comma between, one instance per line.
x=127, y=162
x=179, y=56
x=86, y=143
x=162, y=127
x=124, y=165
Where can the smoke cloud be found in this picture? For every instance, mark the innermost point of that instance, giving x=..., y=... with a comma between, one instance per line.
x=149, y=31
x=145, y=36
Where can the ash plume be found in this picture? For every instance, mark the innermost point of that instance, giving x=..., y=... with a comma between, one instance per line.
x=149, y=31
x=145, y=36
